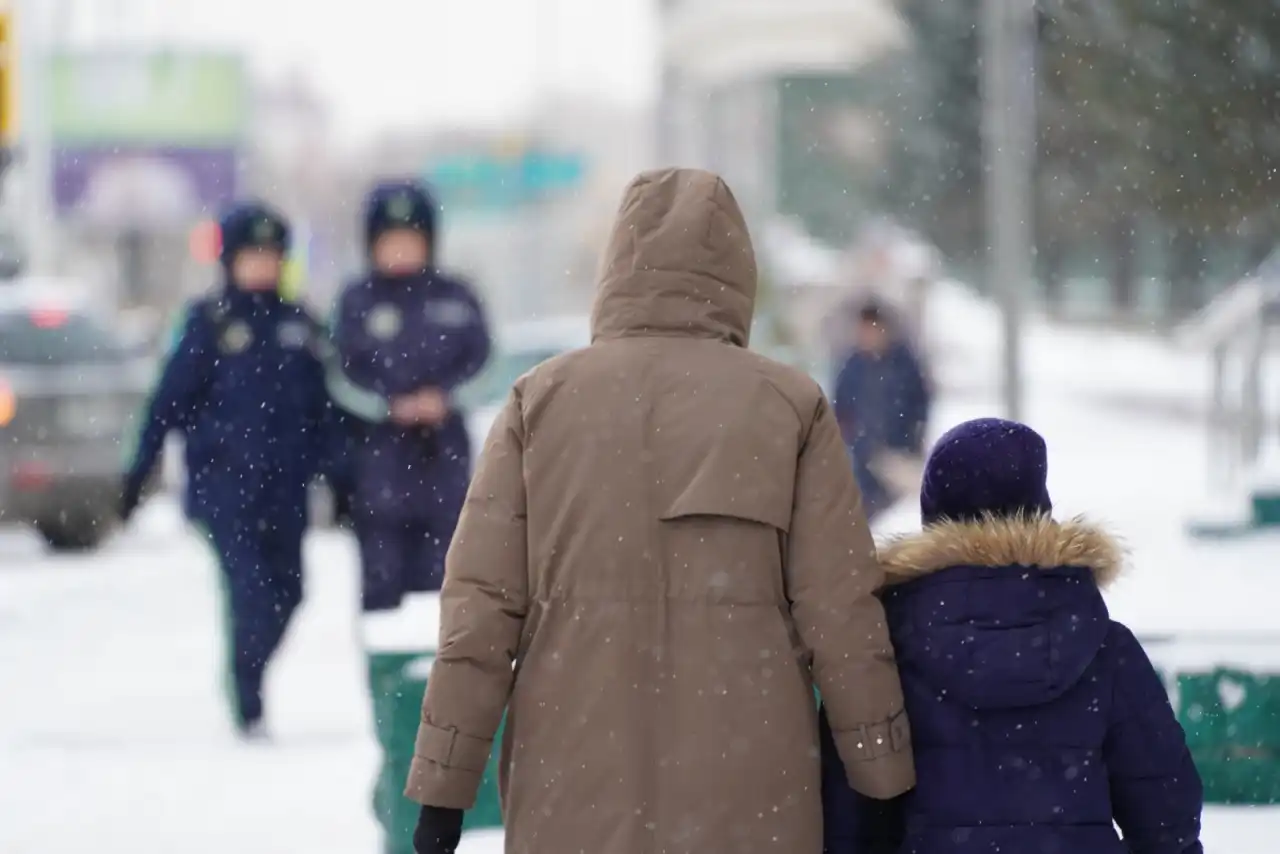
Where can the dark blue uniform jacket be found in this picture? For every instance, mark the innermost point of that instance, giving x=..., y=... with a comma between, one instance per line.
x=244, y=384
x=394, y=337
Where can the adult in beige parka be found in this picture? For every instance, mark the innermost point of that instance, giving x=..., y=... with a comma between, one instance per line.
x=662, y=552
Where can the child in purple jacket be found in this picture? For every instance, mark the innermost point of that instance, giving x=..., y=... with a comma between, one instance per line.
x=1039, y=724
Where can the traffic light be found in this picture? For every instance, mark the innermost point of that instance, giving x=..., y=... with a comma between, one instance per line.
x=8, y=81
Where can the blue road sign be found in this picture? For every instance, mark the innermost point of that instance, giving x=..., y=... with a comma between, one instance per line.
x=490, y=181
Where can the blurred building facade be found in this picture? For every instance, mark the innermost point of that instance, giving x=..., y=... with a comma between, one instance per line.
x=291, y=159
x=758, y=90
x=146, y=141
x=770, y=94
x=128, y=141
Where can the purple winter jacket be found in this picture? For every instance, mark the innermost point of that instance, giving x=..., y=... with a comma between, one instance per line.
x=1038, y=723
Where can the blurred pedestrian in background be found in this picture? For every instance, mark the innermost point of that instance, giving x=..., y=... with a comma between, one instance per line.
x=405, y=336
x=244, y=385
x=882, y=401
x=895, y=267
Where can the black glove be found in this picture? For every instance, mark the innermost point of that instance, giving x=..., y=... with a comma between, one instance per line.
x=884, y=829
x=130, y=497
x=439, y=831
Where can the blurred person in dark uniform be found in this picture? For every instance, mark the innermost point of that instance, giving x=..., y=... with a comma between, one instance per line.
x=244, y=385
x=406, y=336
x=882, y=401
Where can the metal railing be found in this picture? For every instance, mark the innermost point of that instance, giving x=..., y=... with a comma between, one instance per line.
x=1236, y=330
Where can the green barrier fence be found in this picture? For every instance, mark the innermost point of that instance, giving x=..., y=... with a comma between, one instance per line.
x=399, y=664
x=1232, y=721
x=1231, y=716
x=1227, y=698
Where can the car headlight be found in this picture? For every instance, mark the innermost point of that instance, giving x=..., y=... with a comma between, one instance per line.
x=8, y=404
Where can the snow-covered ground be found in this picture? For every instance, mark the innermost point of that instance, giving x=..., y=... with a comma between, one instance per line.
x=112, y=735
x=1126, y=371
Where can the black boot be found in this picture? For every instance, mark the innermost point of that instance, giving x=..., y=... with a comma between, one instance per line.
x=252, y=730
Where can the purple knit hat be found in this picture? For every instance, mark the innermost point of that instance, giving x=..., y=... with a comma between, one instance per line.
x=986, y=467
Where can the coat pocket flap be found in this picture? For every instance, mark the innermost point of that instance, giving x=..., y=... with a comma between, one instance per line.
x=753, y=506
x=748, y=474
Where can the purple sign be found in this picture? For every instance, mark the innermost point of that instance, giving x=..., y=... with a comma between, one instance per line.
x=147, y=187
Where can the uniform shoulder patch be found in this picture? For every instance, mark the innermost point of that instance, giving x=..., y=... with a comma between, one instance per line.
x=237, y=337
x=450, y=312
x=295, y=334
x=384, y=321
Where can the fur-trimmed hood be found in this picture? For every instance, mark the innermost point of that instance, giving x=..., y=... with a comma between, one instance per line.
x=999, y=613
x=995, y=542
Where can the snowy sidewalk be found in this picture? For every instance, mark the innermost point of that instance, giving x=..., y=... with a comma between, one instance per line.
x=1129, y=375
x=112, y=733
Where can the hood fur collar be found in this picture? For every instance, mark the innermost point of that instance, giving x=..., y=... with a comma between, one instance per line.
x=1031, y=542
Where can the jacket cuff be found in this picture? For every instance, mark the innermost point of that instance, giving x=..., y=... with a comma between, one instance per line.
x=877, y=757
x=447, y=767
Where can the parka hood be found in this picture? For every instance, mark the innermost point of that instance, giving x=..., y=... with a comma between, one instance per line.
x=679, y=262
x=1002, y=612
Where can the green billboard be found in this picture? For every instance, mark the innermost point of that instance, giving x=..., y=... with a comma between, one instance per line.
x=168, y=98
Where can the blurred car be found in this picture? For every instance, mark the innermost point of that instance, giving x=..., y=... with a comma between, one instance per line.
x=517, y=348
x=12, y=260
x=70, y=390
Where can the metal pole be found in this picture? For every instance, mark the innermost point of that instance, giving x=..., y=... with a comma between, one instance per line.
x=35, y=42
x=1008, y=137
x=545, y=46
x=1252, y=425
x=1221, y=453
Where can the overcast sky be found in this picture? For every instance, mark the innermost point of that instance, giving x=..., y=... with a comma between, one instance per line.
x=414, y=62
